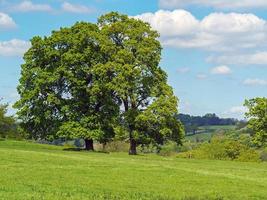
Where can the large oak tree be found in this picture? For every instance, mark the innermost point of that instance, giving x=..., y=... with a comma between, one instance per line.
x=81, y=81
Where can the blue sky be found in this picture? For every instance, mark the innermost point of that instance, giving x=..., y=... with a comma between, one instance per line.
x=214, y=51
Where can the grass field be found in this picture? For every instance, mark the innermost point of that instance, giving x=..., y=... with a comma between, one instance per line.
x=34, y=171
x=206, y=132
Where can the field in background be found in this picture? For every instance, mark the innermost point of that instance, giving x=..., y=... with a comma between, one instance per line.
x=205, y=133
x=36, y=171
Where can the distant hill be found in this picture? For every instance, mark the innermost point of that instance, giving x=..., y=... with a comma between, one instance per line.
x=191, y=123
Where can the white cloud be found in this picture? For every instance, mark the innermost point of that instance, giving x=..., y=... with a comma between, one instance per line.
x=217, y=32
x=221, y=70
x=235, y=112
x=28, y=6
x=238, y=110
x=201, y=76
x=175, y=23
x=219, y=4
x=255, y=82
x=183, y=70
x=76, y=8
x=6, y=22
x=13, y=47
x=258, y=58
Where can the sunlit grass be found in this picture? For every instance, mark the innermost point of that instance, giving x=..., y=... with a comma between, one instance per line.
x=34, y=171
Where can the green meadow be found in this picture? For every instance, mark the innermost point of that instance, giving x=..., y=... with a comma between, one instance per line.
x=206, y=132
x=35, y=171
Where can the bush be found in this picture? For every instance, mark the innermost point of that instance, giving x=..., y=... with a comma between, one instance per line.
x=263, y=155
x=150, y=148
x=187, y=146
x=249, y=155
x=168, y=149
x=116, y=146
x=222, y=148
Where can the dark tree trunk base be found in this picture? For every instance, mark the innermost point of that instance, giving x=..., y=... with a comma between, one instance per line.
x=132, y=150
x=89, y=144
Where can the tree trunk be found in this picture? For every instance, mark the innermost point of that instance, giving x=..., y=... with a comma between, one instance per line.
x=89, y=144
x=132, y=150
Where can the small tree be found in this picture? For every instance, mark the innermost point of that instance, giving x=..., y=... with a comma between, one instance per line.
x=257, y=114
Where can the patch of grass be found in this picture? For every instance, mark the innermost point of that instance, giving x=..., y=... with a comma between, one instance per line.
x=222, y=127
x=34, y=171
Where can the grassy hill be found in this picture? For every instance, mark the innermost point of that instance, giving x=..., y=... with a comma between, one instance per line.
x=206, y=132
x=35, y=171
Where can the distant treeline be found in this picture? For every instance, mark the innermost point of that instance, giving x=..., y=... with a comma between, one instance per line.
x=191, y=123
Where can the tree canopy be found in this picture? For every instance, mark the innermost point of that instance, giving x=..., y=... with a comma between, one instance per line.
x=86, y=80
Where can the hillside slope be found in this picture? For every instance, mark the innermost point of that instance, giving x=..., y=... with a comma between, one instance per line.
x=34, y=171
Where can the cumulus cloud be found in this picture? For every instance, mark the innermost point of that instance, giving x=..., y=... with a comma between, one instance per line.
x=6, y=22
x=217, y=32
x=255, y=82
x=76, y=8
x=221, y=70
x=183, y=70
x=218, y=4
x=258, y=58
x=14, y=47
x=28, y=6
x=171, y=23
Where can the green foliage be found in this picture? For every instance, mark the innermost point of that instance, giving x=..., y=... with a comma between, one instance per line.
x=148, y=148
x=192, y=123
x=170, y=148
x=133, y=54
x=72, y=130
x=263, y=155
x=242, y=137
x=58, y=88
x=87, y=80
x=222, y=148
x=158, y=121
x=35, y=171
x=8, y=126
x=257, y=114
x=115, y=146
x=249, y=155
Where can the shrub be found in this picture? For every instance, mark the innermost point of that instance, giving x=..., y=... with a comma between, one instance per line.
x=150, y=148
x=249, y=155
x=168, y=149
x=187, y=146
x=222, y=148
x=116, y=146
x=263, y=155
x=233, y=149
